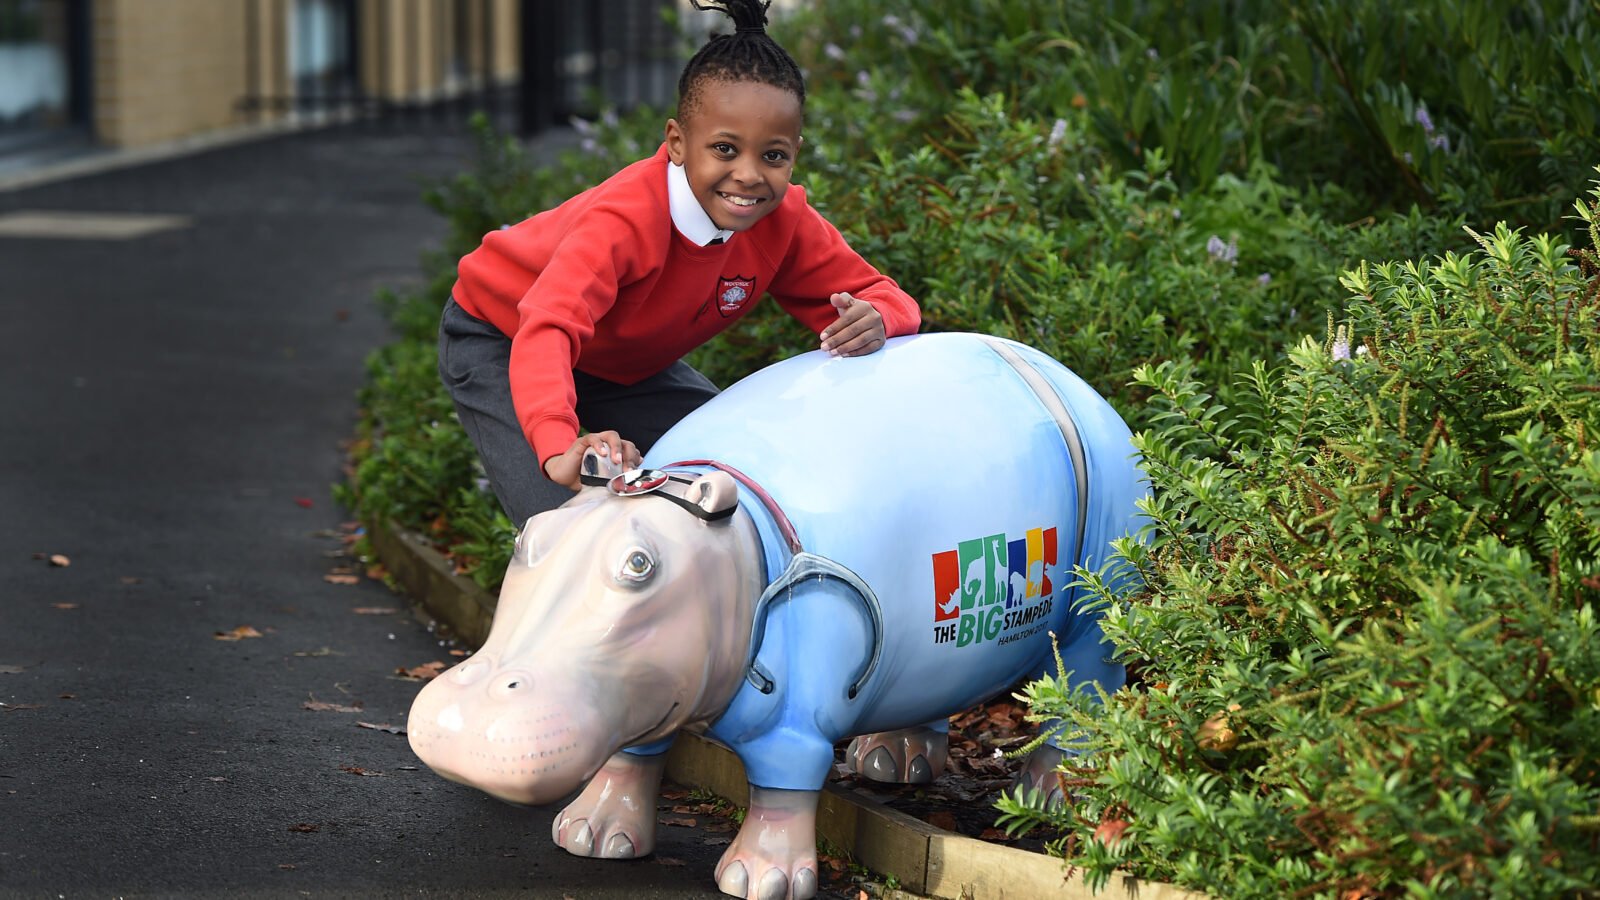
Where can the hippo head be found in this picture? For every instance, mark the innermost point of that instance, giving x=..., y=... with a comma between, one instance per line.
x=622, y=617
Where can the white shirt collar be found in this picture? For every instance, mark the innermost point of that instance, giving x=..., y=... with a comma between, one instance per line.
x=687, y=214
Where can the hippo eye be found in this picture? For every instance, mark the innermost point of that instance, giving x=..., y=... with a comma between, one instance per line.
x=637, y=567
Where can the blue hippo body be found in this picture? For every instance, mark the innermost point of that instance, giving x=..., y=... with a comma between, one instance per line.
x=941, y=491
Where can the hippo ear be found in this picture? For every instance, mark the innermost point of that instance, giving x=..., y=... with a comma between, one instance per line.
x=598, y=468
x=714, y=492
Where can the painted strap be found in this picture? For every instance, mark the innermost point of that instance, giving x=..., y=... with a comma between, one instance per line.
x=1069, y=429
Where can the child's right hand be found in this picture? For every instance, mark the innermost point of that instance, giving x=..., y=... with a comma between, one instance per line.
x=566, y=468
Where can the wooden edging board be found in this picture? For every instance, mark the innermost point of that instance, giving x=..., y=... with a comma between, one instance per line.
x=926, y=860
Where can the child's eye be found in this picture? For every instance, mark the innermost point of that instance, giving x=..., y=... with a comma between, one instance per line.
x=776, y=156
x=725, y=149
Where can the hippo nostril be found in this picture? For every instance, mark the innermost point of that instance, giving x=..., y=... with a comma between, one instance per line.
x=509, y=683
x=471, y=671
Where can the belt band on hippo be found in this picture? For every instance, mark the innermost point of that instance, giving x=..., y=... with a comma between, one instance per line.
x=854, y=547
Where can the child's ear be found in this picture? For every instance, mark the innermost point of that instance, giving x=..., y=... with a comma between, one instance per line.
x=674, y=135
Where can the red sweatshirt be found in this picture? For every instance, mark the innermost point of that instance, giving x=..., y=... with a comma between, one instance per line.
x=606, y=284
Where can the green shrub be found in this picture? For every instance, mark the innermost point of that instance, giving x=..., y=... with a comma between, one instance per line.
x=1484, y=108
x=1365, y=646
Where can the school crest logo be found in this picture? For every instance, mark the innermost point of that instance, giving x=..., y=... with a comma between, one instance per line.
x=734, y=293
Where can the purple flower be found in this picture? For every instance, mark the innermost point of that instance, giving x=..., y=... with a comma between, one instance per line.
x=1058, y=132
x=1264, y=279
x=1341, y=345
x=1440, y=142
x=1424, y=119
x=909, y=34
x=1221, y=252
x=834, y=52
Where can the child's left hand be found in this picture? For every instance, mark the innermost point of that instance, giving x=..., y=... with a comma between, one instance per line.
x=859, y=330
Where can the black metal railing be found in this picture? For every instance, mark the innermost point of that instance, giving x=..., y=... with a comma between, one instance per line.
x=578, y=58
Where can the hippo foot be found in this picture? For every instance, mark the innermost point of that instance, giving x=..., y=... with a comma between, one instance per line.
x=775, y=855
x=615, y=816
x=1039, y=773
x=907, y=756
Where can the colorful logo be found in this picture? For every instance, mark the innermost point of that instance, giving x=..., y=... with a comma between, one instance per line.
x=734, y=293
x=990, y=585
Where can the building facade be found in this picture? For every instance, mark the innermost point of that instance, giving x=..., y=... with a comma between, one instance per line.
x=128, y=73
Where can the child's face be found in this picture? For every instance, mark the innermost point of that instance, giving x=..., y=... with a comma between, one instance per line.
x=737, y=145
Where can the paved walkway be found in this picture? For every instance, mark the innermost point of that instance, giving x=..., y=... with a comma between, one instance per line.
x=175, y=382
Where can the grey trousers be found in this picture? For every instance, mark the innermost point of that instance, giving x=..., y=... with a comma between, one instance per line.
x=474, y=361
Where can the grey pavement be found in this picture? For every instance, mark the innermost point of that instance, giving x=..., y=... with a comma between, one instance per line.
x=171, y=412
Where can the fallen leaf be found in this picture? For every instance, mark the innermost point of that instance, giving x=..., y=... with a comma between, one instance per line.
x=59, y=561
x=324, y=706
x=377, y=572
x=131, y=579
x=237, y=634
x=305, y=827
x=458, y=653
x=941, y=819
x=994, y=834
x=68, y=696
x=335, y=578
x=303, y=502
x=324, y=651
x=357, y=770
x=374, y=610
x=286, y=866
x=11, y=670
x=392, y=729
x=668, y=861
x=422, y=672
x=65, y=605
x=680, y=821
x=14, y=707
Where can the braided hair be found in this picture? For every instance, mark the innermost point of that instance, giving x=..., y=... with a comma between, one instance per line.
x=746, y=55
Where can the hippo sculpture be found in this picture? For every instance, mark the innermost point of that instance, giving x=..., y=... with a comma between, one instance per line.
x=831, y=548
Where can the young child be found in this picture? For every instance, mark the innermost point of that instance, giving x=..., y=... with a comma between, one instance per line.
x=577, y=317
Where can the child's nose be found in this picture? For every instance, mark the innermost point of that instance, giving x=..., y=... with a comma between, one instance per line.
x=745, y=171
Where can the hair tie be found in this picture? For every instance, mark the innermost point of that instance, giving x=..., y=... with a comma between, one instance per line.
x=750, y=29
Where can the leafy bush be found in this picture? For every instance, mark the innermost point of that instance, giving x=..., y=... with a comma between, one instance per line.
x=1481, y=107
x=1366, y=644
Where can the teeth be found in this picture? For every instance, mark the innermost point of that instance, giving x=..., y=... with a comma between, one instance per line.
x=741, y=201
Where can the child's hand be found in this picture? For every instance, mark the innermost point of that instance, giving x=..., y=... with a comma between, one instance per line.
x=564, y=469
x=859, y=330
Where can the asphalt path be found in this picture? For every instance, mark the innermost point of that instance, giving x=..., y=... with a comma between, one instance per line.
x=171, y=412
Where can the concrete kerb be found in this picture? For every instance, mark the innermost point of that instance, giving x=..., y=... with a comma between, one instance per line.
x=926, y=860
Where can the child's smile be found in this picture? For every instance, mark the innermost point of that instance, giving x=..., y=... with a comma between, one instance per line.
x=737, y=147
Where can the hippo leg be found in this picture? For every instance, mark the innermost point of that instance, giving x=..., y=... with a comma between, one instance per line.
x=906, y=756
x=615, y=816
x=775, y=855
x=1038, y=773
